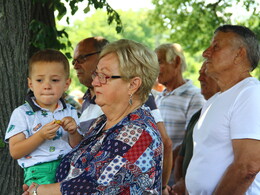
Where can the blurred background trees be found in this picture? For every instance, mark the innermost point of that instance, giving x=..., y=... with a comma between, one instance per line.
x=188, y=22
x=29, y=25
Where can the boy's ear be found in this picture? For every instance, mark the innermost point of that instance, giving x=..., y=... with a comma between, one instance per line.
x=29, y=83
x=68, y=81
x=135, y=84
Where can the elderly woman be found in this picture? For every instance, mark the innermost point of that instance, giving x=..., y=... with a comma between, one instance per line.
x=122, y=151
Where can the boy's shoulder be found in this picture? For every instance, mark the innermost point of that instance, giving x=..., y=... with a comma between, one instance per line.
x=24, y=106
x=69, y=106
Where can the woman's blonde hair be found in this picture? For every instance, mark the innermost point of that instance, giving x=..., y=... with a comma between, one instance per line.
x=135, y=60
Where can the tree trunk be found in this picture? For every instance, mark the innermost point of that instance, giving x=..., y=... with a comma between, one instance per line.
x=15, y=17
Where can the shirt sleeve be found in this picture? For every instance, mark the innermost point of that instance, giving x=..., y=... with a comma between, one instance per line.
x=17, y=123
x=153, y=107
x=245, y=123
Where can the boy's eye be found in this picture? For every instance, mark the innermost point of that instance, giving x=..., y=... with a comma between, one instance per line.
x=39, y=80
x=55, y=80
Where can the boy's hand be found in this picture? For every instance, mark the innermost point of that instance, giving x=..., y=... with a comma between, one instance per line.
x=69, y=124
x=49, y=130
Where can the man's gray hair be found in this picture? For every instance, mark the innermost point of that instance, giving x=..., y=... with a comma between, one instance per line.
x=248, y=39
x=171, y=51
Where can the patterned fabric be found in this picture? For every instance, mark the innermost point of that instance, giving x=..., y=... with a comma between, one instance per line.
x=177, y=108
x=29, y=118
x=125, y=159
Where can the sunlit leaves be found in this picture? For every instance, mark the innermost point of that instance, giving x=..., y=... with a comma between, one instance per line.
x=46, y=35
x=192, y=22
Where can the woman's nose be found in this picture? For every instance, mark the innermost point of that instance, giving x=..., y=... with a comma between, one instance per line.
x=95, y=81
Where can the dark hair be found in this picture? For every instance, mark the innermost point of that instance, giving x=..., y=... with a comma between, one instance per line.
x=249, y=40
x=50, y=55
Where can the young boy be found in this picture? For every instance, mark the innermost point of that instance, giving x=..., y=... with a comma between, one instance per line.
x=44, y=129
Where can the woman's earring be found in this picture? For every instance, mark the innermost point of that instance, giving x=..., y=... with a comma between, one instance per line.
x=130, y=100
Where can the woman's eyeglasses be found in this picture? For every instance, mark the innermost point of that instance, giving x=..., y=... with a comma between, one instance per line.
x=102, y=77
x=82, y=59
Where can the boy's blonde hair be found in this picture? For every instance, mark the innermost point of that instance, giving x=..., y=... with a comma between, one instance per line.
x=50, y=55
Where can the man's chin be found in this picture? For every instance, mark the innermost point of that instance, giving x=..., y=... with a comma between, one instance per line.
x=82, y=81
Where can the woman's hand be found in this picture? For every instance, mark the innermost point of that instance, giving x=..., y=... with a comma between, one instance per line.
x=28, y=190
x=178, y=188
x=166, y=190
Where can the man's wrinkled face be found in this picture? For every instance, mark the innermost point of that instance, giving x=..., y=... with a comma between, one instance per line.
x=221, y=53
x=167, y=69
x=208, y=86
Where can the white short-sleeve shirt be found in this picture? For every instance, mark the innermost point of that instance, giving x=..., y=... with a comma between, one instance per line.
x=233, y=114
x=28, y=121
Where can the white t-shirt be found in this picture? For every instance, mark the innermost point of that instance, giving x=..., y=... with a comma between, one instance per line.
x=233, y=114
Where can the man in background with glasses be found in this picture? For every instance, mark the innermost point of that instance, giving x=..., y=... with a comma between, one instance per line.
x=85, y=60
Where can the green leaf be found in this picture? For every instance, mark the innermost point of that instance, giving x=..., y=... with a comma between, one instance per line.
x=87, y=9
x=60, y=7
x=2, y=144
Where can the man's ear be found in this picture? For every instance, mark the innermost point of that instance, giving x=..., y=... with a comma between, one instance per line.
x=29, y=81
x=135, y=84
x=241, y=54
x=178, y=61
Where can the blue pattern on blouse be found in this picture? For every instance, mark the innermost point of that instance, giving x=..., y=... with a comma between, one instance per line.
x=125, y=159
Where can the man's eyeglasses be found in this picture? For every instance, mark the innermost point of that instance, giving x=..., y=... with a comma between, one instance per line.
x=83, y=58
x=102, y=77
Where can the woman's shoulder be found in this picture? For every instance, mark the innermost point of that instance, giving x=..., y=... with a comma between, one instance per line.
x=141, y=115
x=142, y=119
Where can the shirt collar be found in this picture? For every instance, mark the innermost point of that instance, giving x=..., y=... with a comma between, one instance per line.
x=87, y=97
x=30, y=99
x=179, y=90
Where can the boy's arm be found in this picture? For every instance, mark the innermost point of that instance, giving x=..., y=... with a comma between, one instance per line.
x=167, y=154
x=21, y=146
x=70, y=125
x=74, y=139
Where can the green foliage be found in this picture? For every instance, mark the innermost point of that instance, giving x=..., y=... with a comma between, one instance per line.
x=194, y=63
x=2, y=144
x=192, y=23
x=46, y=35
x=135, y=27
